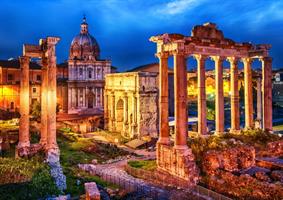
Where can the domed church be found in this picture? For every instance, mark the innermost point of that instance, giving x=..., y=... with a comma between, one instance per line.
x=86, y=74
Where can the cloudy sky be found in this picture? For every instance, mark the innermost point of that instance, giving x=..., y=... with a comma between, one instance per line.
x=123, y=27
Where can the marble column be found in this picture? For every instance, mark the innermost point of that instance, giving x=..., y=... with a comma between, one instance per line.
x=106, y=117
x=267, y=92
x=52, y=98
x=219, y=95
x=125, y=122
x=235, y=105
x=249, y=122
x=24, y=139
x=202, y=123
x=180, y=89
x=259, y=101
x=44, y=101
x=163, y=99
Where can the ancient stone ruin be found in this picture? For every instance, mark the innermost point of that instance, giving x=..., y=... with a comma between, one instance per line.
x=206, y=41
x=46, y=52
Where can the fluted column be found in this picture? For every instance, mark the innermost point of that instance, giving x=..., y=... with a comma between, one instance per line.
x=24, y=139
x=180, y=89
x=202, y=123
x=235, y=105
x=267, y=92
x=259, y=101
x=249, y=122
x=163, y=99
x=44, y=101
x=52, y=99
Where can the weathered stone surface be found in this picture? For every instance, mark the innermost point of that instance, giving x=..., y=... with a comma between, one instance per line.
x=244, y=186
x=92, y=192
x=275, y=148
x=180, y=163
x=262, y=176
x=233, y=159
x=277, y=175
x=28, y=151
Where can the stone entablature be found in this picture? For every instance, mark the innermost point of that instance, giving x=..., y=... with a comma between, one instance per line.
x=131, y=104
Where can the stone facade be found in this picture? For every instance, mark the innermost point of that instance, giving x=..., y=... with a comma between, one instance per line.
x=86, y=74
x=131, y=104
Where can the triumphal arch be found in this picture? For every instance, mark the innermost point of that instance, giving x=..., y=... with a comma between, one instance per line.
x=46, y=52
x=205, y=41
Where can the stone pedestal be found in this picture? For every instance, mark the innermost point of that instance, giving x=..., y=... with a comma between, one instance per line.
x=177, y=162
x=24, y=139
x=91, y=191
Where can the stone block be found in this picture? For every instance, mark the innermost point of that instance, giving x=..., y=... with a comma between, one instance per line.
x=92, y=192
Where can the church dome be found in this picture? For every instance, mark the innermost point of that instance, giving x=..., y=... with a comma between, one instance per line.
x=84, y=46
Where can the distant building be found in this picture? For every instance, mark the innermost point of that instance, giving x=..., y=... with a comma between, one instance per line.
x=86, y=74
x=131, y=101
x=277, y=90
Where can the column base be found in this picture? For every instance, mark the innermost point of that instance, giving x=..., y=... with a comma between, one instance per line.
x=163, y=140
x=235, y=131
x=179, y=162
x=219, y=132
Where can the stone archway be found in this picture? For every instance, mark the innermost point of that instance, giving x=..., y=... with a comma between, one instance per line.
x=90, y=100
x=119, y=115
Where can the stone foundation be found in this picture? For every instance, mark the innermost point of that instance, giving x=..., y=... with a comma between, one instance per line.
x=275, y=148
x=92, y=192
x=28, y=151
x=178, y=162
x=232, y=160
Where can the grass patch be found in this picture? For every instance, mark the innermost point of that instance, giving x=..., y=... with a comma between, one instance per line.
x=149, y=165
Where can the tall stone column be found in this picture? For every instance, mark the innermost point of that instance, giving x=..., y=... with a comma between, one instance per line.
x=202, y=123
x=235, y=105
x=219, y=96
x=267, y=92
x=106, y=114
x=259, y=101
x=180, y=88
x=24, y=139
x=44, y=101
x=249, y=122
x=52, y=99
x=163, y=99
x=134, y=115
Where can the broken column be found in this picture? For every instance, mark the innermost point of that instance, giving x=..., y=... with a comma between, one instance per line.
x=24, y=139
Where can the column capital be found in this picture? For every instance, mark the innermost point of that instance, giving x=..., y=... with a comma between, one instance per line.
x=265, y=59
x=178, y=53
x=162, y=55
x=232, y=60
x=217, y=58
x=199, y=57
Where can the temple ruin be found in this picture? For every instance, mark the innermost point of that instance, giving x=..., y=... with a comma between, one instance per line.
x=46, y=52
x=206, y=41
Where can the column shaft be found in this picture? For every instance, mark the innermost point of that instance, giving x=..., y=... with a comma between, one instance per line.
x=267, y=93
x=163, y=99
x=248, y=93
x=235, y=105
x=259, y=101
x=44, y=101
x=24, y=140
x=202, y=123
x=181, y=118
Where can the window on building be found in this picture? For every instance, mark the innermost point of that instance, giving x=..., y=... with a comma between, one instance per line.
x=81, y=72
x=38, y=77
x=89, y=73
x=34, y=90
x=10, y=77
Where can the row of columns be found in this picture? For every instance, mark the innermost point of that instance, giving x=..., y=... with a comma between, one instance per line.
x=48, y=99
x=180, y=95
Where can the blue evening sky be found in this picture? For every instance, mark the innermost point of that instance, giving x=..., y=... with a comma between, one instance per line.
x=123, y=27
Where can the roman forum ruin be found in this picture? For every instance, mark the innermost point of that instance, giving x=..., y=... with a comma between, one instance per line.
x=206, y=41
x=46, y=52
